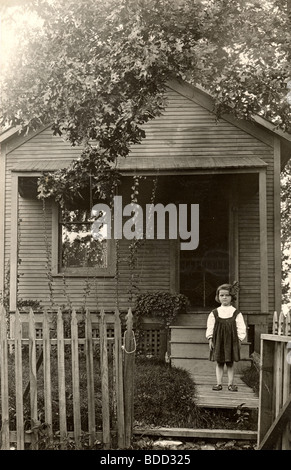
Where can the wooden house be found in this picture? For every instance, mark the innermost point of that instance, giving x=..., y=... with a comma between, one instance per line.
x=230, y=168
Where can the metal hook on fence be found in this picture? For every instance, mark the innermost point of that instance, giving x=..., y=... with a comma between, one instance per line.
x=123, y=346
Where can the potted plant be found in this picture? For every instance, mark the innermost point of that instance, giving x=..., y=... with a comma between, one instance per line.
x=153, y=313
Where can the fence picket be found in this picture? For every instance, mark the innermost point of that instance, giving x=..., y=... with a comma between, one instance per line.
x=288, y=325
x=90, y=378
x=32, y=379
x=61, y=378
x=18, y=382
x=281, y=328
x=123, y=361
x=76, y=379
x=5, y=441
x=119, y=380
x=275, y=323
x=47, y=374
x=129, y=359
x=104, y=381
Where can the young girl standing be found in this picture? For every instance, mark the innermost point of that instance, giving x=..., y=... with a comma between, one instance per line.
x=225, y=331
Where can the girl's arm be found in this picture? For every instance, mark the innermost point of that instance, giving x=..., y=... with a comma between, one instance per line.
x=241, y=327
x=210, y=326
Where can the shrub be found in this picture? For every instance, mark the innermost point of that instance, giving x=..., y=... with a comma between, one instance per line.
x=164, y=395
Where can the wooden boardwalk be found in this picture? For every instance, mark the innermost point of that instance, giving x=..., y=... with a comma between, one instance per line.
x=208, y=398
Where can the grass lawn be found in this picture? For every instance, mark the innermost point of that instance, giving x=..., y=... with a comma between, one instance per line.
x=164, y=397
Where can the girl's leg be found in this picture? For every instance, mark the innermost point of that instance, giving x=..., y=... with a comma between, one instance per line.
x=230, y=372
x=219, y=372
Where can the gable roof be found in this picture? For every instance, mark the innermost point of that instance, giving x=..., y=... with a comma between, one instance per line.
x=260, y=128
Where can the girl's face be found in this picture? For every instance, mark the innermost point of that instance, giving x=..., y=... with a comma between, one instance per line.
x=224, y=297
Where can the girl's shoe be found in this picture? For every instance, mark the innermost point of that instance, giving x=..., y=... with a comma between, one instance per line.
x=232, y=388
x=217, y=387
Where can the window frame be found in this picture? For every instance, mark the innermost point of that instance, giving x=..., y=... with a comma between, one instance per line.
x=108, y=271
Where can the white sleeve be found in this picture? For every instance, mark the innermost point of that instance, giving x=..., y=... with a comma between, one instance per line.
x=241, y=327
x=210, y=325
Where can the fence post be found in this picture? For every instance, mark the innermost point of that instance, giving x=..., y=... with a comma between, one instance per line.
x=90, y=378
x=61, y=378
x=119, y=380
x=129, y=361
x=18, y=382
x=76, y=379
x=104, y=381
x=47, y=373
x=5, y=444
x=32, y=379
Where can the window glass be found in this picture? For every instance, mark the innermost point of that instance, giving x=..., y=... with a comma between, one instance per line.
x=78, y=247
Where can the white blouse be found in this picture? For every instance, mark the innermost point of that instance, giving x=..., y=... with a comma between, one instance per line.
x=226, y=312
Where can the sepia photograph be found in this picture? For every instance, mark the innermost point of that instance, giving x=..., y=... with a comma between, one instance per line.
x=145, y=234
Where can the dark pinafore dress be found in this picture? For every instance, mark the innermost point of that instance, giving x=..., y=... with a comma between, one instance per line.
x=226, y=346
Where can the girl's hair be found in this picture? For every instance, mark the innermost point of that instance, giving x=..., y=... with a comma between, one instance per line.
x=230, y=288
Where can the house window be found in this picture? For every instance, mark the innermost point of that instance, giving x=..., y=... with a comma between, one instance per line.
x=78, y=252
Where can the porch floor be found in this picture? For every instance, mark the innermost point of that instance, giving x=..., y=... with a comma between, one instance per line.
x=208, y=398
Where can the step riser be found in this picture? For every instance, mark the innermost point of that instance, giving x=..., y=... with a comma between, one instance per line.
x=191, y=319
x=188, y=335
x=200, y=351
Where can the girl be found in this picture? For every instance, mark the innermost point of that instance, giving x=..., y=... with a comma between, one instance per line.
x=225, y=331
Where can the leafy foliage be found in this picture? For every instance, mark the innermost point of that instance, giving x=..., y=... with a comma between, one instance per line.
x=160, y=304
x=286, y=232
x=96, y=70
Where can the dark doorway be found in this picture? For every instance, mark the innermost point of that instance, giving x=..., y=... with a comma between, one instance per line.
x=204, y=269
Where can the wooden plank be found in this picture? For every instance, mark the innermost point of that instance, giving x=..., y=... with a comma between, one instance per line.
x=90, y=378
x=47, y=374
x=263, y=242
x=18, y=382
x=197, y=433
x=278, y=385
x=5, y=444
x=277, y=427
x=119, y=380
x=104, y=382
x=265, y=417
x=32, y=379
x=286, y=445
x=129, y=361
x=61, y=379
x=76, y=379
x=275, y=338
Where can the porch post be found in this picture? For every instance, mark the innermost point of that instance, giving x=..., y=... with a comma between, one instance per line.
x=14, y=242
x=277, y=225
x=263, y=241
x=2, y=218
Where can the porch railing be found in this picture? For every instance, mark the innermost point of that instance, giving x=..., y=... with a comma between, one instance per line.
x=274, y=425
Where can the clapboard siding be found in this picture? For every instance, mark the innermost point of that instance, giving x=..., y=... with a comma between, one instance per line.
x=152, y=267
x=185, y=128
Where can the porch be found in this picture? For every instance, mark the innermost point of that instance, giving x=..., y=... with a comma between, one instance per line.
x=208, y=398
x=189, y=349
